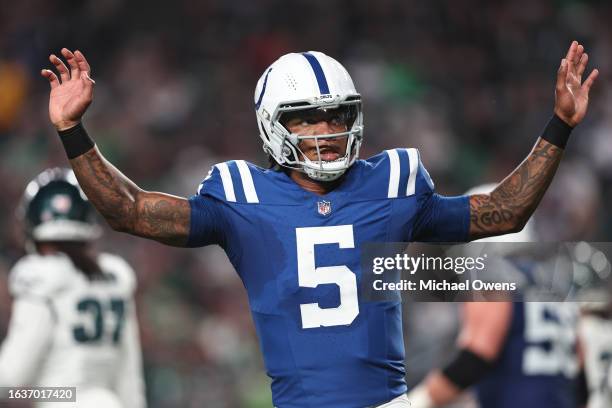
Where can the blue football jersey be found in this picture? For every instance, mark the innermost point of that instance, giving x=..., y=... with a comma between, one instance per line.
x=538, y=364
x=298, y=255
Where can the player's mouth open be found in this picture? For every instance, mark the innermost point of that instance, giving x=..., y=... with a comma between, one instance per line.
x=329, y=156
x=328, y=153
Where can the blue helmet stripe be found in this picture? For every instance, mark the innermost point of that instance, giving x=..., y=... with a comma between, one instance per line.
x=318, y=71
x=263, y=90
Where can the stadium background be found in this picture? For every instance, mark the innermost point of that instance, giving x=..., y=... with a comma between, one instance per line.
x=470, y=83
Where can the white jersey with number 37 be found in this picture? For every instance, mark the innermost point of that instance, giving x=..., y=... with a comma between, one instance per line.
x=69, y=330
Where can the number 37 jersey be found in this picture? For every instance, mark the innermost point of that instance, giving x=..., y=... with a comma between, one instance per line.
x=298, y=255
x=68, y=330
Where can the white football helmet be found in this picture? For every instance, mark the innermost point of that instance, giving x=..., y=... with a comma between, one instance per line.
x=304, y=81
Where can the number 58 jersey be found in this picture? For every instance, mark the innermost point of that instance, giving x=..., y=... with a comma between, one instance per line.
x=298, y=255
x=538, y=365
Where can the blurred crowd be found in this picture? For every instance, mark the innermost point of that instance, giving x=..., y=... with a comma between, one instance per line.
x=470, y=83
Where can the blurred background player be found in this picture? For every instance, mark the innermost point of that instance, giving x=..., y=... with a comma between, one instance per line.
x=595, y=332
x=514, y=353
x=73, y=320
x=570, y=214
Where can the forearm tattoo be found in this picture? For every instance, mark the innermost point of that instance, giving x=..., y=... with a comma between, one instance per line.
x=128, y=208
x=508, y=207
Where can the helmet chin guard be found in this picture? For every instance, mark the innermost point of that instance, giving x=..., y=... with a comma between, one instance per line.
x=300, y=82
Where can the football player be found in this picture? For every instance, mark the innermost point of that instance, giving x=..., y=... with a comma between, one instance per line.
x=73, y=321
x=294, y=232
x=596, y=346
x=514, y=353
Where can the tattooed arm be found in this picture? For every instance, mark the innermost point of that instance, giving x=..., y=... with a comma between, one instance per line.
x=508, y=207
x=128, y=208
x=124, y=205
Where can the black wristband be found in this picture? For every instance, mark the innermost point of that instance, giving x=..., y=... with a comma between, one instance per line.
x=557, y=132
x=76, y=141
x=466, y=369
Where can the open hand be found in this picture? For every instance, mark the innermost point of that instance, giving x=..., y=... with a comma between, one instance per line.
x=571, y=94
x=72, y=93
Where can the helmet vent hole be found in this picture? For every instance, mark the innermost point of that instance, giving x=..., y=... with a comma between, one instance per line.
x=291, y=82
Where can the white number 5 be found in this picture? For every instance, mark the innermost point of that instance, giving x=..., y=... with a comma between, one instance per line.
x=310, y=276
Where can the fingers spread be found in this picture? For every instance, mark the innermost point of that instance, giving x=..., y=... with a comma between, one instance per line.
x=571, y=53
x=582, y=64
x=588, y=83
x=75, y=72
x=579, y=53
x=83, y=64
x=561, y=75
x=50, y=75
x=89, y=83
x=85, y=76
x=61, y=68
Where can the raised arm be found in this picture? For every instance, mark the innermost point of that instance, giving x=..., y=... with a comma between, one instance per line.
x=125, y=206
x=508, y=207
x=484, y=329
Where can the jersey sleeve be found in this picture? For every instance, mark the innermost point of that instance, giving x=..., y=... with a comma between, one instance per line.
x=38, y=276
x=33, y=283
x=208, y=221
x=439, y=218
x=28, y=337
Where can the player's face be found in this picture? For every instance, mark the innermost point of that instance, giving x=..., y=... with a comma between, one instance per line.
x=319, y=122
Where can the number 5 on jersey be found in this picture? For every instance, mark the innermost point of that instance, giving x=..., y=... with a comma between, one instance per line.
x=310, y=276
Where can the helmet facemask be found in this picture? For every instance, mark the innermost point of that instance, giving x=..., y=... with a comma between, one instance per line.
x=347, y=112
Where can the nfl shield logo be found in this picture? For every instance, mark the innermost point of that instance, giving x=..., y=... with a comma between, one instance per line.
x=324, y=207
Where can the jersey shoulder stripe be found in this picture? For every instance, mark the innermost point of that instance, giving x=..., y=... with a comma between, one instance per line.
x=402, y=163
x=399, y=172
x=247, y=182
x=230, y=181
x=226, y=181
x=413, y=161
x=394, y=173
